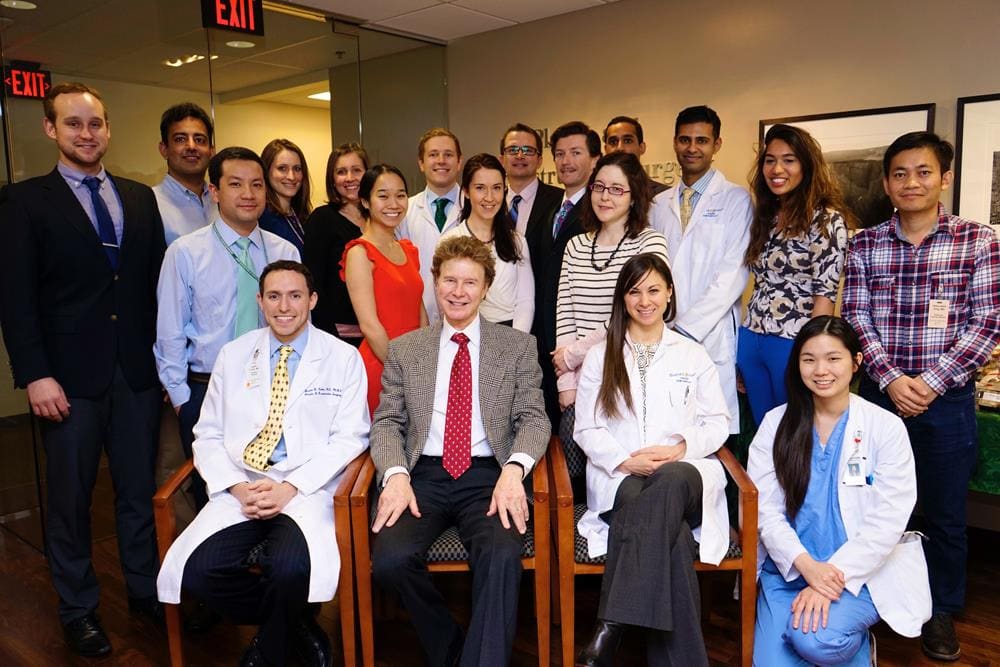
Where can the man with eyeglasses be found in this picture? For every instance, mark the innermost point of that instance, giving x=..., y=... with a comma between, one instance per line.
x=624, y=133
x=706, y=220
x=528, y=199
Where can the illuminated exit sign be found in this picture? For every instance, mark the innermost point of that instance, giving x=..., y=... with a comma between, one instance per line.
x=246, y=16
x=23, y=79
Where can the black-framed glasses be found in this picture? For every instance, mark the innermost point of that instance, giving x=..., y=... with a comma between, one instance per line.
x=614, y=190
x=526, y=151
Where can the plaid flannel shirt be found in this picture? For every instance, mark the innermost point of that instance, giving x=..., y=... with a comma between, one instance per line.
x=888, y=288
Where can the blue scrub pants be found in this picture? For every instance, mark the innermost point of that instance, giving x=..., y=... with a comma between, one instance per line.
x=844, y=641
x=761, y=360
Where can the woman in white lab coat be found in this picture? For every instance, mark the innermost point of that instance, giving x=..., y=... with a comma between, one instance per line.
x=837, y=484
x=650, y=415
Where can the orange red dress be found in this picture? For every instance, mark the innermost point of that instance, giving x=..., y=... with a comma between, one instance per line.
x=398, y=296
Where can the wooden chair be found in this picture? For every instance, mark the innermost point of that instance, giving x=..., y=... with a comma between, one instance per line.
x=448, y=555
x=165, y=519
x=571, y=547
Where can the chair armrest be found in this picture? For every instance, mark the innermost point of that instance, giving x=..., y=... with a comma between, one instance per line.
x=563, y=489
x=342, y=495
x=736, y=471
x=540, y=475
x=747, y=501
x=164, y=516
x=362, y=485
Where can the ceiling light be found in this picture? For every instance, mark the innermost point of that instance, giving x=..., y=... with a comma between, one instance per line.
x=18, y=4
x=240, y=44
x=323, y=97
x=180, y=61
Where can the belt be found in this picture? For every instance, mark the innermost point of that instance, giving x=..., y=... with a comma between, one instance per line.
x=198, y=378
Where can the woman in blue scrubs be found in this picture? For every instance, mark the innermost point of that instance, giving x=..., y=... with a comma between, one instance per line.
x=837, y=484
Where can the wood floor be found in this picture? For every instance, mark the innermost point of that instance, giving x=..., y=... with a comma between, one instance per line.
x=30, y=633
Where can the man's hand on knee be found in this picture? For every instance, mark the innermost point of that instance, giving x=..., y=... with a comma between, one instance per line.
x=397, y=496
x=509, y=498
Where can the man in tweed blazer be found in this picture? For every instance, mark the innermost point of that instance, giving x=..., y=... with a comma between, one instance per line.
x=415, y=447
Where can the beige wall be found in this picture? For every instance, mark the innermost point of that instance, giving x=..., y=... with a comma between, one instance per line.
x=748, y=59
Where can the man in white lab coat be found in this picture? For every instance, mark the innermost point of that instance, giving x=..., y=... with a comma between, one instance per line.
x=706, y=220
x=285, y=412
x=436, y=209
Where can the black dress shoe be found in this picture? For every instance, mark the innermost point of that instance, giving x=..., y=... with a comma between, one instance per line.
x=148, y=607
x=202, y=620
x=86, y=637
x=600, y=652
x=310, y=645
x=938, y=640
x=252, y=657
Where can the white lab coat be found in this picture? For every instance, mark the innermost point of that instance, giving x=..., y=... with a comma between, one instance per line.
x=419, y=227
x=326, y=426
x=877, y=552
x=684, y=402
x=709, y=274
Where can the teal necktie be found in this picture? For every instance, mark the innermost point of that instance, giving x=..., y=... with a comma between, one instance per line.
x=440, y=217
x=246, y=291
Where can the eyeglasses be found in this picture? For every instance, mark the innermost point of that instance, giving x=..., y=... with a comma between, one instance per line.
x=526, y=151
x=614, y=190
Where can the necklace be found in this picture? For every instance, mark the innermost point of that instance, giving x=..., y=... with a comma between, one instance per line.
x=611, y=257
x=473, y=234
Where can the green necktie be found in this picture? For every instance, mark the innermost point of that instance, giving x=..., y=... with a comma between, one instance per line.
x=246, y=291
x=440, y=217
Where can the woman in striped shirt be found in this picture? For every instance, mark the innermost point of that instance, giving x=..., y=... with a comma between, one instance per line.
x=617, y=229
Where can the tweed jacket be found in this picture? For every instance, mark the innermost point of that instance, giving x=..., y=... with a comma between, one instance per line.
x=509, y=392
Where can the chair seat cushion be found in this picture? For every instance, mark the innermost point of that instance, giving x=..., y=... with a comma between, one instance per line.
x=448, y=546
x=580, y=542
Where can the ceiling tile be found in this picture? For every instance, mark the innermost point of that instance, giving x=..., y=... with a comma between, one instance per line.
x=445, y=22
x=522, y=11
x=370, y=10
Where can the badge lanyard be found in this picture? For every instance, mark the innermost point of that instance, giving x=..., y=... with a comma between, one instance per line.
x=236, y=258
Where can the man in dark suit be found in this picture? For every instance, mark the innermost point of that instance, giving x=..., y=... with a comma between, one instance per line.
x=528, y=199
x=575, y=150
x=459, y=426
x=78, y=271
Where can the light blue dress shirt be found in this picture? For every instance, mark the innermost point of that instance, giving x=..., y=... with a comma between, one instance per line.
x=182, y=210
x=74, y=179
x=298, y=347
x=699, y=187
x=197, y=299
x=451, y=196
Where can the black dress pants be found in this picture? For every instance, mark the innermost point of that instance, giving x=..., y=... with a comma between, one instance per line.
x=217, y=574
x=399, y=563
x=187, y=417
x=125, y=424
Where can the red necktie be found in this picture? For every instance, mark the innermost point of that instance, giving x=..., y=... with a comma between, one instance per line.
x=458, y=414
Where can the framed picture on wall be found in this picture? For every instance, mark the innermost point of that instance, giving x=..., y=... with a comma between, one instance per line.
x=977, y=159
x=853, y=144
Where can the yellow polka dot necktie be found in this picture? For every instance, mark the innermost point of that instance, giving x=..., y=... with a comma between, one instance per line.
x=686, y=211
x=259, y=451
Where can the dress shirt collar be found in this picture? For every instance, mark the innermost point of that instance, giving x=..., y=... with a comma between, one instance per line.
x=298, y=343
x=451, y=196
x=473, y=331
x=943, y=224
x=577, y=196
x=701, y=184
x=75, y=177
x=175, y=186
x=230, y=236
x=527, y=192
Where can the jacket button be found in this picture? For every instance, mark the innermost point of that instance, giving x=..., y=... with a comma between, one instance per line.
x=114, y=318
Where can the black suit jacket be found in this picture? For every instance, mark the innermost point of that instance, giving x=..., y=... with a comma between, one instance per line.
x=64, y=312
x=547, y=199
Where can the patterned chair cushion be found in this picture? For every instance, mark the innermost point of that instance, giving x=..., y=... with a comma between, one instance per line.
x=580, y=542
x=576, y=460
x=253, y=558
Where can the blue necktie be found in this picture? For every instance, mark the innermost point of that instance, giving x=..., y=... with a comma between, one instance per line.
x=561, y=217
x=514, y=203
x=105, y=226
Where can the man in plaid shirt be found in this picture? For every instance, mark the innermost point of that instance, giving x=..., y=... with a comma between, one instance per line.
x=923, y=292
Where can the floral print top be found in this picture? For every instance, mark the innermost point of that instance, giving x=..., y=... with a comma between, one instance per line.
x=791, y=271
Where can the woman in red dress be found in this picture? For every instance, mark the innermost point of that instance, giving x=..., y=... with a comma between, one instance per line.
x=382, y=273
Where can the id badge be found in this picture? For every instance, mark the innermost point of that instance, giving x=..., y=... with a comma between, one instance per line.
x=854, y=475
x=253, y=375
x=937, y=314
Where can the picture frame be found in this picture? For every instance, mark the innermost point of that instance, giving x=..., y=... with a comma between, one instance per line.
x=976, y=192
x=853, y=143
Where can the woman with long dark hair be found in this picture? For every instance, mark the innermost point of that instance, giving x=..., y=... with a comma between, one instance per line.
x=650, y=414
x=798, y=238
x=328, y=231
x=288, y=203
x=383, y=273
x=837, y=484
x=511, y=298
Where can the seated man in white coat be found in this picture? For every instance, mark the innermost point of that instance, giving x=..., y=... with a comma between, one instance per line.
x=284, y=414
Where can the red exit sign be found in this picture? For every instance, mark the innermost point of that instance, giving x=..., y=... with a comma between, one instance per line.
x=245, y=16
x=26, y=80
